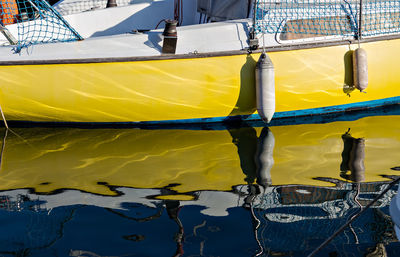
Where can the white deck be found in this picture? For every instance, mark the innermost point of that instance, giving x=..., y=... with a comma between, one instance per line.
x=110, y=33
x=202, y=38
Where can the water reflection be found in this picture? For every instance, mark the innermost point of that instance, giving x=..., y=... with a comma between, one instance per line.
x=277, y=191
x=353, y=156
x=255, y=153
x=282, y=220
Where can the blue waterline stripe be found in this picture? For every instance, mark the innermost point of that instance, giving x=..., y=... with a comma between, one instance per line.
x=290, y=114
x=353, y=111
x=341, y=108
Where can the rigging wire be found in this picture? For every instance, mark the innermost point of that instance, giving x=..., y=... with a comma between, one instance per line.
x=178, y=11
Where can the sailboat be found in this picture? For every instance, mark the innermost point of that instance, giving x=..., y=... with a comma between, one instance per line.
x=194, y=61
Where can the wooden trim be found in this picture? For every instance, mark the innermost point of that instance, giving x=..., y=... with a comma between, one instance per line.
x=278, y=48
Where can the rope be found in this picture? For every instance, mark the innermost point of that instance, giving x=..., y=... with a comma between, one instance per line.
x=4, y=117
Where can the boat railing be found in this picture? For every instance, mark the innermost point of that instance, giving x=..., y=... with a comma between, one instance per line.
x=326, y=19
x=68, y=7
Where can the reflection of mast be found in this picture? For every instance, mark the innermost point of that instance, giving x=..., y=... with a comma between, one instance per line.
x=173, y=208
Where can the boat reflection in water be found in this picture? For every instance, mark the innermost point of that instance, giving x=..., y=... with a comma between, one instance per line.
x=240, y=191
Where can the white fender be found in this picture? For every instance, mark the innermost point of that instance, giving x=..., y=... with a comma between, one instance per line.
x=265, y=87
x=360, y=69
x=264, y=157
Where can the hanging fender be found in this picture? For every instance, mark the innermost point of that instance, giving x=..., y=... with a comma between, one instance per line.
x=265, y=88
x=360, y=69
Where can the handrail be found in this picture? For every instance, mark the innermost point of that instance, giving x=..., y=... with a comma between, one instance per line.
x=7, y=34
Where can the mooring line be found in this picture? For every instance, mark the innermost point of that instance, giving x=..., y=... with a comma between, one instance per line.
x=7, y=128
x=327, y=241
x=3, y=146
x=4, y=117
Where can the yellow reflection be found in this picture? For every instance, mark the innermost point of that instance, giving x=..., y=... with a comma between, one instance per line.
x=303, y=152
x=100, y=160
x=176, y=197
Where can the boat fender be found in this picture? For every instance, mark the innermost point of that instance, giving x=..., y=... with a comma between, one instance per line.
x=264, y=157
x=265, y=87
x=360, y=69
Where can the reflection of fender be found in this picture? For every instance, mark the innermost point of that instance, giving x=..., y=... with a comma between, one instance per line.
x=353, y=156
x=264, y=157
x=9, y=11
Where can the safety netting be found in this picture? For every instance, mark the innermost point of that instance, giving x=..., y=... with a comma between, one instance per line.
x=34, y=22
x=296, y=19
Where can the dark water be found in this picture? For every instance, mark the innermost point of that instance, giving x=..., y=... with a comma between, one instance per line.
x=238, y=191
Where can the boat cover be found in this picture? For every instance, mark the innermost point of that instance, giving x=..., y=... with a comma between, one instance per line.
x=219, y=10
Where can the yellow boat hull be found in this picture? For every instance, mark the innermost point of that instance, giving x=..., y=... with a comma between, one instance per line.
x=196, y=88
